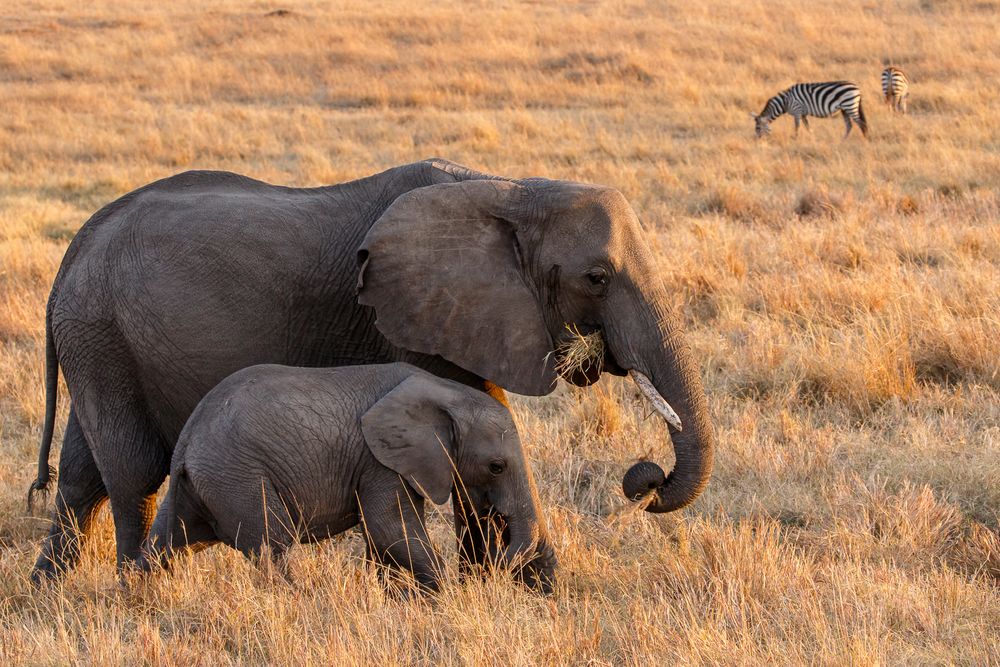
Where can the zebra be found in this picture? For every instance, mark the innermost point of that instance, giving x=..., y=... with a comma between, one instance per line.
x=895, y=88
x=814, y=99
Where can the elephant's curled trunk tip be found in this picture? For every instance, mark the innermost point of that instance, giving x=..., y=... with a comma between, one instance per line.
x=642, y=479
x=40, y=487
x=531, y=560
x=693, y=448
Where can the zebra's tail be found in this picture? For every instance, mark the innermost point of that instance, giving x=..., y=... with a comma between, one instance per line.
x=862, y=121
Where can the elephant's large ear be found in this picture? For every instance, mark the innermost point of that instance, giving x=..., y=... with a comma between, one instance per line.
x=410, y=431
x=443, y=269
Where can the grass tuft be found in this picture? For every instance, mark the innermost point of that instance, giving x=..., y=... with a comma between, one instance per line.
x=579, y=352
x=820, y=202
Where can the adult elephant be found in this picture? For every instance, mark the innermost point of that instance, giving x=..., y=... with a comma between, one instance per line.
x=174, y=286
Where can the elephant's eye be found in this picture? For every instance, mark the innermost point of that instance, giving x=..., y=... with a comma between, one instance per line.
x=497, y=466
x=598, y=277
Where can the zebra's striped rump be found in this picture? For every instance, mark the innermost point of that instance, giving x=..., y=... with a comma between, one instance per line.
x=895, y=88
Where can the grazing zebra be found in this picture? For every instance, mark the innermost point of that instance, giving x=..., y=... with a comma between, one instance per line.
x=895, y=88
x=814, y=99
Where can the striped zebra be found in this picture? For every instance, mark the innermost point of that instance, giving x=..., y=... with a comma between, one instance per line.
x=895, y=88
x=814, y=99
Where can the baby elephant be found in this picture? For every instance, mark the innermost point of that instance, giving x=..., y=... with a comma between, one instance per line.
x=274, y=455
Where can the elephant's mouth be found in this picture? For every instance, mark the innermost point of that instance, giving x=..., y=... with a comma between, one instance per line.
x=581, y=366
x=494, y=529
x=582, y=354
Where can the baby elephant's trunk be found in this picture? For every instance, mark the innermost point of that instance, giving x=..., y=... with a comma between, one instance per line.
x=530, y=556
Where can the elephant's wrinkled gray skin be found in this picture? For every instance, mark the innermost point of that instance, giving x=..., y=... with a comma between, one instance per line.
x=276, y=455
x=168, y=290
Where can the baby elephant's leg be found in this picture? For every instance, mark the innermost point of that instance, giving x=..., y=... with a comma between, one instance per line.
x=265, y=530
x=393, y=520
x=272, y=560
x=180, y=524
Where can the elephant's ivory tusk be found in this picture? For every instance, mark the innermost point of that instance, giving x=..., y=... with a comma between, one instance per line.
x=658, y=402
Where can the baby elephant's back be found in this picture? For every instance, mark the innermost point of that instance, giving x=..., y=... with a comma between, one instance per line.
x=298, y=428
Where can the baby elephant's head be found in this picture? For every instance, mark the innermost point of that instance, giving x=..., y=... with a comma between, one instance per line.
x=444, y=437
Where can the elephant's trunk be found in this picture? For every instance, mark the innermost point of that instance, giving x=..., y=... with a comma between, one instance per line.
x=530, y=557
x=663, y=368
x=528, y=552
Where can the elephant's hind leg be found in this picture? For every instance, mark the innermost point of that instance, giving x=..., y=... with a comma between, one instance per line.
x=265, y=530
x=79, y=493
x=133, y=494
x=133, y=458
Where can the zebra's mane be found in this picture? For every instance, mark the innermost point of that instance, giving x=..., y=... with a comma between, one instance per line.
x=775, y=106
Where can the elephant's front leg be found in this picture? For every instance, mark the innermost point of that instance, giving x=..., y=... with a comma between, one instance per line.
x=480, y=539
x=472, y=552
x=393, y=522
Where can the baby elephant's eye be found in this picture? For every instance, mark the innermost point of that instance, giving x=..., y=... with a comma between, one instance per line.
x=497, y=466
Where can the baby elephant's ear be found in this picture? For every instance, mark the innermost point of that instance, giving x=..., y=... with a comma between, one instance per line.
x=410, y=431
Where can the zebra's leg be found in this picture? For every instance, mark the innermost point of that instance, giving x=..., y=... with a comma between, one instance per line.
x=798, y=119
x=847, y=123
x=805, y=122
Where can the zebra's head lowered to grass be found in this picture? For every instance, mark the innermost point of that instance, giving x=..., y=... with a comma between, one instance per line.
x=762, y=121
x=762, y=126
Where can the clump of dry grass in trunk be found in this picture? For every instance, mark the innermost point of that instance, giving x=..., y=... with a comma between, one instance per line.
x=581, y=353
x=584, y=353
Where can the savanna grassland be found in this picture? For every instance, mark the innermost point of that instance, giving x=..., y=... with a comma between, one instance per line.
x=843, y=298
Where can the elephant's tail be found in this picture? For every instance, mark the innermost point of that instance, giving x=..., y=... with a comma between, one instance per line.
x=45, y=471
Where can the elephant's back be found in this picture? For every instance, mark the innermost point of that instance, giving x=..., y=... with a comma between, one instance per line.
x=269, y=400
x=200, y=275
x=179, y=221
x=189, y=184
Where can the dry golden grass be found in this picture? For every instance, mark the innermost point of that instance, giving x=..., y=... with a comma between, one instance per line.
x=579, y=352
x=842, y=298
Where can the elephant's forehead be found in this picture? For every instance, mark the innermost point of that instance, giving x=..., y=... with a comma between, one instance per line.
x=597, y=203
x=601, y=218
x=493, y=420
x=601, y=214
